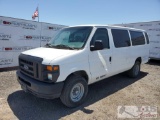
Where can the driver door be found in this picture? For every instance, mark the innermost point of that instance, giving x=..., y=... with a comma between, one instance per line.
x=100, y=60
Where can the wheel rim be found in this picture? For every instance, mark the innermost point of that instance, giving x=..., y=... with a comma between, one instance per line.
x=136, y=69
x=77, y=92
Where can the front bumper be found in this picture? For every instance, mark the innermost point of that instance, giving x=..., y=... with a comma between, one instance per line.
x=38, y=88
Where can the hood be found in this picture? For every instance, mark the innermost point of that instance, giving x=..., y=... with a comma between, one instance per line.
x=48, y=54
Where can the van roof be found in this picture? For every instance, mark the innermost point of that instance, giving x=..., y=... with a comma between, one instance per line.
x=110, y=26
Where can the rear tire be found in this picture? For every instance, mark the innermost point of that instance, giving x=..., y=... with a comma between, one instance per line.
x=135, y=70
x=74, y=92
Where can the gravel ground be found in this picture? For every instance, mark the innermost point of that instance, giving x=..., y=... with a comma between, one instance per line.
x=102, y=101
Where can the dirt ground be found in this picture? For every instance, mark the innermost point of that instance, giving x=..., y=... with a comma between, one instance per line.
x=102, y=101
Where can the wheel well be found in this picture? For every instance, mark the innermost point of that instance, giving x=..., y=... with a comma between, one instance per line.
x=80, y=73
x=139, y=59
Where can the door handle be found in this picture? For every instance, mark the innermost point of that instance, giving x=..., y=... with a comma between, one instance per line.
x=110, y=59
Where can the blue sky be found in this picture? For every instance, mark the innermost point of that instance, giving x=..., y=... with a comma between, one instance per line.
x=75, y=12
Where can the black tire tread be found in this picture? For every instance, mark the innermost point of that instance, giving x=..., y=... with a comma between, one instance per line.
x=131, y=71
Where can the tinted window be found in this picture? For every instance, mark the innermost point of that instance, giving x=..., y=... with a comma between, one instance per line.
x=101, y=34
x=137, y=38
x=120, y=38
x=147, y=38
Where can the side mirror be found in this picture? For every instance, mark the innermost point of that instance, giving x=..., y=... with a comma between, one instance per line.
x=97, y=46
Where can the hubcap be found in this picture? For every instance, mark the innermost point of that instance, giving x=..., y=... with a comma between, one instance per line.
x=77, y=92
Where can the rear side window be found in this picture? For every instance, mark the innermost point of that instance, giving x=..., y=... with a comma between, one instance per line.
x=120, y=38
x=101, y=34
x=147, y=38
x=137, y=38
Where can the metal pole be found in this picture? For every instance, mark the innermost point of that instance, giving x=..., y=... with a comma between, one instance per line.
x=38, y=12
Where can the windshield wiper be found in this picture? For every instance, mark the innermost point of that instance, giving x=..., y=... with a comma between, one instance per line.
x=49, y=45
x=64, y=46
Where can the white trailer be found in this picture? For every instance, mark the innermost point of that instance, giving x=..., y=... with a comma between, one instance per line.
x=153, y=30
x=18, y=35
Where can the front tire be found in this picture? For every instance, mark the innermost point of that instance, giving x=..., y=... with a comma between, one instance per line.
x=135, y=70
x=74, y=92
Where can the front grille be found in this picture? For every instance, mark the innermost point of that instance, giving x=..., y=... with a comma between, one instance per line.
x=30, y=66
x=27, y=67
x=29, y=73
x=27, y=62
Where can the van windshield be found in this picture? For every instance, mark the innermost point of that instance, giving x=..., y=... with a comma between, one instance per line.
x=70, y=38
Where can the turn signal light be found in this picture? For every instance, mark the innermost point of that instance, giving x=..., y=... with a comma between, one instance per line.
x=55, y=68
x=52, y=68
x=49, y=68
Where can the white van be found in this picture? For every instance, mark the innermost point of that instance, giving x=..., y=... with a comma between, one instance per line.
x=78, y=56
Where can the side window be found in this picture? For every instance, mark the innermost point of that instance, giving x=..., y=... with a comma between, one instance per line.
x=137, y=38
x=147, y=38
x=120, y=38
x=101, y=34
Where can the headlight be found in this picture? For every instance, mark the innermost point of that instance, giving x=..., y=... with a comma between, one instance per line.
x=52, y=72
x=49, y=76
